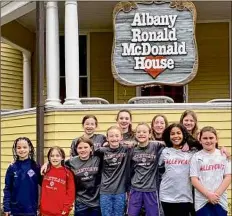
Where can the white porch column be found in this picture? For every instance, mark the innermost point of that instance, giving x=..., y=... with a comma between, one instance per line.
x=52, y=55
x=26, y=80
x=71, y=53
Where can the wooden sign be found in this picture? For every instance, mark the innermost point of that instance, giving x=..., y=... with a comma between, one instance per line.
x=154, y=43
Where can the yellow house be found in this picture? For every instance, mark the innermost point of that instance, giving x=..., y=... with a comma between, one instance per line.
x=89, y=75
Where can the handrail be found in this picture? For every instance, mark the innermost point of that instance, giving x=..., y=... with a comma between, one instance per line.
x=224, y=100
x=93, y=100
x=150, y=99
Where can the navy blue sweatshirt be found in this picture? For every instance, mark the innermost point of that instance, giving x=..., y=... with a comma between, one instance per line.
x=21, y=188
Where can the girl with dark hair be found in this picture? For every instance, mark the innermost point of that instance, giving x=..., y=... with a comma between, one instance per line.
x=175, y=195
x=124, y=120
x=89, y=124
x=21, y=181
x=58, y=188
x=158, y=125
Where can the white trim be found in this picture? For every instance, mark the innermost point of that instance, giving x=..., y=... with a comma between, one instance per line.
x=115, y=107
x=24, y=51
x=88, y=66
x=186, y=93
x=163, y=106
x=138, y=91
x=16, y=9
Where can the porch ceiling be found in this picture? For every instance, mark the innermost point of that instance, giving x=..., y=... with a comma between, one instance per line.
x=98, y=15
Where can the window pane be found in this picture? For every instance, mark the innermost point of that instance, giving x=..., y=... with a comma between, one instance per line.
x=83, y=55
x=62, y=59
x=82, y=67
x=174, y=92
x=62, y=89
x=83, y=87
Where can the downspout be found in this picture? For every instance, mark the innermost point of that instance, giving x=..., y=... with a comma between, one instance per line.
x=0, y=122
x=40, y=14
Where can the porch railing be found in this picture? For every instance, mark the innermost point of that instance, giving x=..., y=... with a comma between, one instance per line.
x=150, y=100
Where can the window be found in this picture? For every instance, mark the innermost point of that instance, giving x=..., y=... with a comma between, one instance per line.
x=83, y=81
x=174, y=92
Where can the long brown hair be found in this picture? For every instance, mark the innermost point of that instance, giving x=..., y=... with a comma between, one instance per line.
x=61, y=152
x=130, y=131
x=153, y=134
x=193, y=114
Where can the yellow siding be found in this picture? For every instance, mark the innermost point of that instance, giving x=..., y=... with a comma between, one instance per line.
x=212, y=80
x=61, y=127
x=101, y=79
x=123, y=93
x=11, y=78
x=12, y=128
x=17, y=34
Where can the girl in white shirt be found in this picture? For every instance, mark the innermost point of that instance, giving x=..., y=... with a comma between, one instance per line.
x=175, y=188
x=210, y=173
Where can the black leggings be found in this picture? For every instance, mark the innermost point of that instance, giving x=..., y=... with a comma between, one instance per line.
x=177, y=209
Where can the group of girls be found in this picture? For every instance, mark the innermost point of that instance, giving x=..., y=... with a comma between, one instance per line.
x=147, y=171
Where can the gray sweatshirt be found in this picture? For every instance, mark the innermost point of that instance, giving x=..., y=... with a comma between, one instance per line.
x=115, y=171
x=87, y=178
x=144, y=166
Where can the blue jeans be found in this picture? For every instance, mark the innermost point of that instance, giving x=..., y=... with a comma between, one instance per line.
x=113, y=204
x=84, y=210
x=211, y=210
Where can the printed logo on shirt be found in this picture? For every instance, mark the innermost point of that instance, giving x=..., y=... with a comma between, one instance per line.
x=86, y=169
x=15, y=175
x=144, y=160
x=177, y=161
x=212, y=167
x=31, y=173
x=54, y=179
x=52, y=183
x=86, y=174
x=110, y=156
x=141, y=157
x=114, y=162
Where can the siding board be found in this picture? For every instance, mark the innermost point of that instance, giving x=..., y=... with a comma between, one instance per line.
x=212, y=79
x=101, y=79
x=11, y=77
